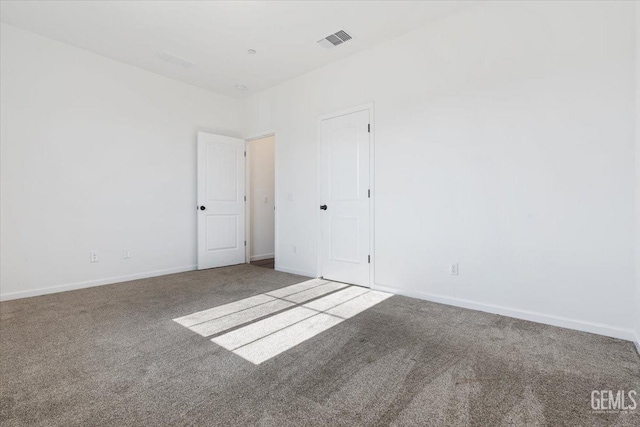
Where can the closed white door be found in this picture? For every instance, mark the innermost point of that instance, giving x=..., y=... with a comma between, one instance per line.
x=221, y=212
x=344, y=196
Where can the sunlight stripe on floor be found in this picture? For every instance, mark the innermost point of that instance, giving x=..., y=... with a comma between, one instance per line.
x=307, y=309
x=262, y=328
x=239, y=318
x=222, y=310
x=278, y=342
x=358, y=304
x=339, y=297
x=298, y=287
x=315, y=292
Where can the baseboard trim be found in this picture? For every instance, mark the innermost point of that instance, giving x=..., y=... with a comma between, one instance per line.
x=92, y=283
x=294, y=271
x=562, y=322
x=261, y=257
x=637, y=343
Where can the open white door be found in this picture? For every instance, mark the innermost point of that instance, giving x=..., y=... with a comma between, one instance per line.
x=344, y=196
x=221, y=213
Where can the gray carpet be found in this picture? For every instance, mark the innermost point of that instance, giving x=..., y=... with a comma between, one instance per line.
x=112, y=355
x=266, y=263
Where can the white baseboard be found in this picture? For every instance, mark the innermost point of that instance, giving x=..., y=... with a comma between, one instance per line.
x=293, y=271
x=637, y=343
x=594, y=328
x=261, y=257
x=92, y=283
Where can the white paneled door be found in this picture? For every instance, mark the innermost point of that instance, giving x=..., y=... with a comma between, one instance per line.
x=221, y=205
x=345, y=197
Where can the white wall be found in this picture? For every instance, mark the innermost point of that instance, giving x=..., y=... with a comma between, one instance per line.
x=96, y=155
x=504, y=141
x=262, y=197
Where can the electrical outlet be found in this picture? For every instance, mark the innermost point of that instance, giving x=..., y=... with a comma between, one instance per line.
x=93, y=257
x=453, y=269
x=126, y=254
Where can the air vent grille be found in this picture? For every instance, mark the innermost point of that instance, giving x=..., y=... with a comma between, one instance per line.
x=335, y=39
x=342, y=34
x=175, y=59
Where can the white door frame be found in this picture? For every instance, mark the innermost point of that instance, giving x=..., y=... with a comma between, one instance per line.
x=247, y=191
x=363, y=107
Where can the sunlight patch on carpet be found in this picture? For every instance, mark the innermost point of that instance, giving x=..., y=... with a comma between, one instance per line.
x=276, y=321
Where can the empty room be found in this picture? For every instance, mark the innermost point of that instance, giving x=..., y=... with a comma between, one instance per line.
x=320, y=213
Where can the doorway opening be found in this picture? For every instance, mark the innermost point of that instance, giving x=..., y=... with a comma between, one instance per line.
x=261, y=201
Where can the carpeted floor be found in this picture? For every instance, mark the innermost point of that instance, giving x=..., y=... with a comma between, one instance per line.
x=112, y=355
x=266, y=263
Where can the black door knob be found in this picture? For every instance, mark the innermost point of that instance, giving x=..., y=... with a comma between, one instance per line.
x=202, y=208
x=323, y=207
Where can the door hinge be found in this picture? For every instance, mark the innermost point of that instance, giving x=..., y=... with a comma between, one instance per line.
x=245, y=198
x=369, y=193
x=245, y=154
x=245, y=243
x=369, y=127
x=369, y=259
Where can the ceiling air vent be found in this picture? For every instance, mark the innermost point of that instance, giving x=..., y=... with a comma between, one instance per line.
x=175, y=59
x=335, y=39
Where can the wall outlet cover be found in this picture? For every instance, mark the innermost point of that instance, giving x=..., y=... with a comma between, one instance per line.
x=453, y=269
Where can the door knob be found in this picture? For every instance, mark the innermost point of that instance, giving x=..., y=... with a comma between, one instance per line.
x=202, y=208
x=323, y=207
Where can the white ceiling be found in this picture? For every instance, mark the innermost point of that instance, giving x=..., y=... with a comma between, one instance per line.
x=216, y=35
